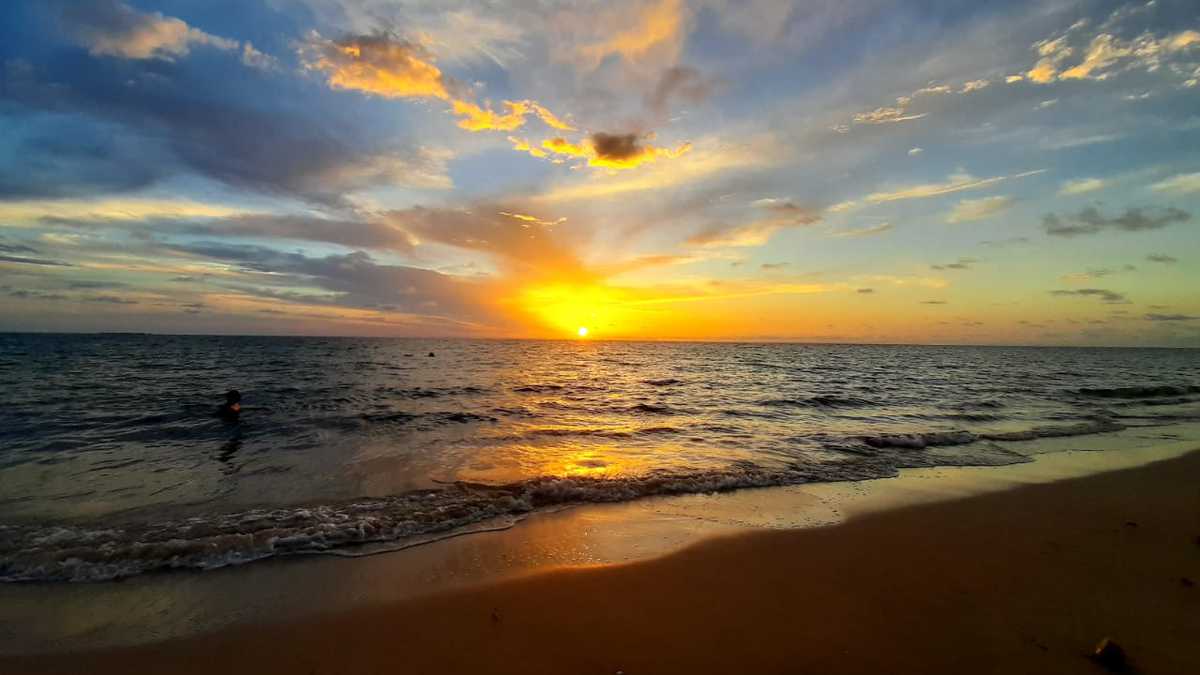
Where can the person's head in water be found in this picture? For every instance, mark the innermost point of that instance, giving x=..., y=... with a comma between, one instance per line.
x=233, y=403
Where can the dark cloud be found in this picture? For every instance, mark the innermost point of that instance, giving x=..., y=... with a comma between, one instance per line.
x=1162, y=258
x=1171, y=317
x=15, y=248
x=1001, y=243
x=962, y=264
x=350, y=280
x=108, y=299
x=934, y=302
x=365, y=233
x=93, y=126
x=679, y=82
x=767, y=267
x=865, y=290
x=617, y=146
x=1091, y=221
x=26, y=294
x=33, y=261
x=1103, y=294
x=83, y=284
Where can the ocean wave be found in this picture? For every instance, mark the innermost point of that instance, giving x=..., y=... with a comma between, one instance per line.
x=667, y=381
x=821, y=401
x=73, y=552
x=1143, y=391
x=928, y=439
x=90, y=553
x=652, y=409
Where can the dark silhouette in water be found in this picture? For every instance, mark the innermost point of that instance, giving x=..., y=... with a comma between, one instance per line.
x=227, y=453
x=230, y=411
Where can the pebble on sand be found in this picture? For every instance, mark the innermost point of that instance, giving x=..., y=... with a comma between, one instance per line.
x=1110, y=655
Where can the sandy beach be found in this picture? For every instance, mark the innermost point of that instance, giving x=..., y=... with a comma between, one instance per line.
x=1023, y=580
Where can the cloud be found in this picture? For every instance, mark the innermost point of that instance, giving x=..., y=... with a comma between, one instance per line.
x=961, y=264
x=526, y=245
x=771, y=267
x=865, y=291
x=1094, y=273
x=978, y=209
x=352, y=280
x=113, y=209
x=614, y=151
x=1184, y=183
x=22, y=260
x=934, y=302
x=100, y=136
x=113, y=28
x=1171, y=317
x=679, y=82
x=373, y=233
x=1162, y=258
x=1073, y=56
x=522, y=145
x=915, y=151
x=707, y=158
x=779, y=215
x=1091, y=221
x=392, y=67
x=954, y=183
x=656, y=27
x=256, y=59
x=384, y=65
x=1081, y=186
x=869, y=231
x=887, y=115
x=1110, y=297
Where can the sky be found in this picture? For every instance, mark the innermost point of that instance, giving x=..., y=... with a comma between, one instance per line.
x=823, y=170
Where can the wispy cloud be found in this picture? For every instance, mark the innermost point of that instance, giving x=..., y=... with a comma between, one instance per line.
x=1081, y=186
x=1184, y=183
x=978, y=209
x=955, y=183
x=868, y=231
x=113, y=28
x=960, y=264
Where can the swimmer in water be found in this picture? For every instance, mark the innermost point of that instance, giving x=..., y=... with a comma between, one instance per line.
x=231, y=409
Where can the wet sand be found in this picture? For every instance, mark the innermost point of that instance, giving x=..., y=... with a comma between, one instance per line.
x=1024, y=580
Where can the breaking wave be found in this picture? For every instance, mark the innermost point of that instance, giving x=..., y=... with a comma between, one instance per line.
x=80, y=553
x=1143, y=391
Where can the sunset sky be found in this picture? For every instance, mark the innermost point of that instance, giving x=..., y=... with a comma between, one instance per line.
x=823, y=170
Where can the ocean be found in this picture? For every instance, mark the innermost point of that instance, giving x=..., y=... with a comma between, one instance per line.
x=113, y=462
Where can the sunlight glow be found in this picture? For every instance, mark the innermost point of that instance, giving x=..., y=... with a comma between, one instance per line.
x=576, y=309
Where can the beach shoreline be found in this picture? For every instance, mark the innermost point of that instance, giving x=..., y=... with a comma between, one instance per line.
x=1023, y=578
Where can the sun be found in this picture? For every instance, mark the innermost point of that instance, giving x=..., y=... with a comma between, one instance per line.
x=582, y=331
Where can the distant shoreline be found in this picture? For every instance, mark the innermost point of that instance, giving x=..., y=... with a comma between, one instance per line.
x=601, y=340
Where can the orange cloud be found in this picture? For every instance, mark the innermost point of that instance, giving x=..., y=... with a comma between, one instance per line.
x=660, y=24
x=379, y=65
x=522, y=145
x=475, y=118
x=614, y=151
x=387, y=66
